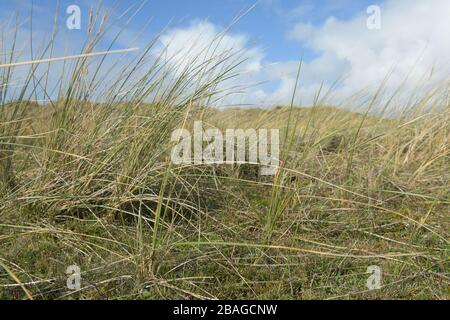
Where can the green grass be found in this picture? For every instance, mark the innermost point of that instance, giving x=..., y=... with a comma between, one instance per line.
x=91, y=184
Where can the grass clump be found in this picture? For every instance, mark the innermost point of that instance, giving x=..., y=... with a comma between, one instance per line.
x=86, y=179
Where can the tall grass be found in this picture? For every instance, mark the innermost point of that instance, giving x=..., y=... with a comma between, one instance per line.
x=86, y=179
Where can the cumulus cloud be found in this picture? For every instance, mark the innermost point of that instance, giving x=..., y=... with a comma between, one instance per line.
x=202, y=45
x=411, y=50
x=411, y=47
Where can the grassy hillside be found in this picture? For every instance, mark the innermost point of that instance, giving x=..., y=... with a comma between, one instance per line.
x=93, y=185
x=86, y=180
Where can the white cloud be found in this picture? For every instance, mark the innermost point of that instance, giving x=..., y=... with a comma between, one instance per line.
x=205, y=44
x=351, y=59
x=412, y=43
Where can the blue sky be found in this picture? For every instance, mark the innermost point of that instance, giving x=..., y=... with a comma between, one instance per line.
x=268, y=23
x=342, y=55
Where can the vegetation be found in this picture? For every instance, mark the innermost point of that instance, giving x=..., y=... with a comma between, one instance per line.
x=86, y=179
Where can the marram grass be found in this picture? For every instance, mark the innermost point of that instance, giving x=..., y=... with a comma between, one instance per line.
x=89, y=182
